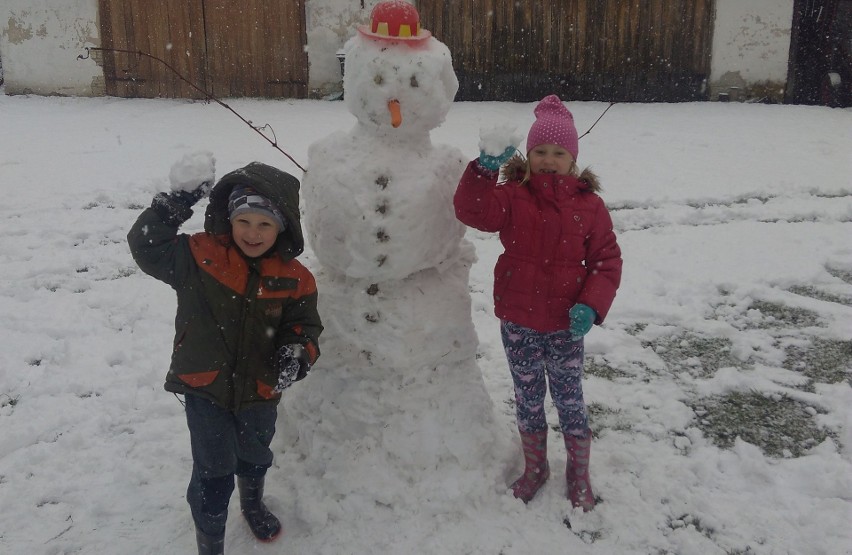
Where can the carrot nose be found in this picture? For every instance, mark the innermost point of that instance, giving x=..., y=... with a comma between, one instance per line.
x=395, y=112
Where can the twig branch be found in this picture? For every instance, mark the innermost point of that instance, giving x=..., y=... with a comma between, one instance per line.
x=611, y=104
x=57, y=536
x=206, y=94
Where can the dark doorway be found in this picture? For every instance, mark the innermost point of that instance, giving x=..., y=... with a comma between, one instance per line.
x=820, y=69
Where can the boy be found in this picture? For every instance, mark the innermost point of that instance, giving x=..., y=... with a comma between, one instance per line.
x=246, y=327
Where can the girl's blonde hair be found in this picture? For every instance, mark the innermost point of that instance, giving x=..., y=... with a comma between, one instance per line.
x=520, y=165
x=574, y=171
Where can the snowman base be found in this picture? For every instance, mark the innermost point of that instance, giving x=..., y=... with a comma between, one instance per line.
x=411, y=445
x=398, y=406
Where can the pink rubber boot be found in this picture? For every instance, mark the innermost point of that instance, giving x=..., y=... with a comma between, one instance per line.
x=536, y=469
x=577, y=472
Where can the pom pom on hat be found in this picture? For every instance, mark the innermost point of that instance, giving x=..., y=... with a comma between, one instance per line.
x=244, y=200
x=553, y=124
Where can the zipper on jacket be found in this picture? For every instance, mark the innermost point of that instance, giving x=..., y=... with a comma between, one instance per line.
x=249, y=296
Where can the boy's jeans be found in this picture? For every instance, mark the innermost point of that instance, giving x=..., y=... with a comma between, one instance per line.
x=224, y=444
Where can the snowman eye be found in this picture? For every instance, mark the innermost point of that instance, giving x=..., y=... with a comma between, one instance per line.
x=414, y=82
x=378, y=79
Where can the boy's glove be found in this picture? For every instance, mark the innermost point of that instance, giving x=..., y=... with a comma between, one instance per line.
x=292, y=363
x=582, y=318
x=176, y=207
x=191, y=179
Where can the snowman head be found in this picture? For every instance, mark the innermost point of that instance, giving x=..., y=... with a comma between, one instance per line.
x=399, y=80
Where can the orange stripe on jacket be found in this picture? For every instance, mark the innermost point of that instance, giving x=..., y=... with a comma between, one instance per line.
x=217, y=256
x=199, y=379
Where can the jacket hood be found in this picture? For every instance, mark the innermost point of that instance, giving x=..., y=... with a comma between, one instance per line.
x=516, y=170
x=281, y=188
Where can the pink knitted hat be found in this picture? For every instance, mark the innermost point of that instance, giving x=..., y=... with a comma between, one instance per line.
x=554, y=125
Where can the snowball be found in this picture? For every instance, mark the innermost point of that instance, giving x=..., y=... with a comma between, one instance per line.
x=192, y=170
x=495, y=140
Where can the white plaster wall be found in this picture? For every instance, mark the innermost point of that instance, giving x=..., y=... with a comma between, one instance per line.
x=751, y=43
x=40, y=41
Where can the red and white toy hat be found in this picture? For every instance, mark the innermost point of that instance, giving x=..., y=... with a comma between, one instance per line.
x=394, y=21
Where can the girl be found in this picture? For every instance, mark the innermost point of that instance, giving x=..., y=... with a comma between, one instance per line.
x=557, y=276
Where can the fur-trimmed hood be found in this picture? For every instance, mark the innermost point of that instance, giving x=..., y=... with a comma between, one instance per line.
x=516, y=170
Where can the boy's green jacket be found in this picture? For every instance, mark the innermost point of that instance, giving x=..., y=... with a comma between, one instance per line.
x=233, y=312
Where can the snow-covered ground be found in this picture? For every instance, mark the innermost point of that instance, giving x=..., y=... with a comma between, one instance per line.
x=719, y=386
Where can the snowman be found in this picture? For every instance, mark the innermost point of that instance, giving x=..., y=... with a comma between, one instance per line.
x=397, y=397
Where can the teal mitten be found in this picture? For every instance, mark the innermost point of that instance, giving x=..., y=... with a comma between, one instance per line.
x=582, y=319
x=493, y=163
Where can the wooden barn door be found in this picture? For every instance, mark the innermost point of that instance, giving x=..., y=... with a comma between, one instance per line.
x=250, y=48
x=257, y=48
x=171, y=30
x=620, y=50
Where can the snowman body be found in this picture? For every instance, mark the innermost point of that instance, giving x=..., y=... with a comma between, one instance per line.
x=367, y=196
x=397, y=395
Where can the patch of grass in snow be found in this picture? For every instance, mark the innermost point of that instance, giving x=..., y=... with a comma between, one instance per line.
x=124, y=272
x=698, y=356
x=747, y=550
x=824, y=360
x=7, y=400
x=690, y=522
x=588, y=536
x=777, y=315
x=603, y=418
x=840, y=273
x=814, y=293
x=780, y=426
x=592, y=367
x=636, y=329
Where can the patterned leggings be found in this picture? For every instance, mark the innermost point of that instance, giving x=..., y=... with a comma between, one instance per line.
x=536, y=358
